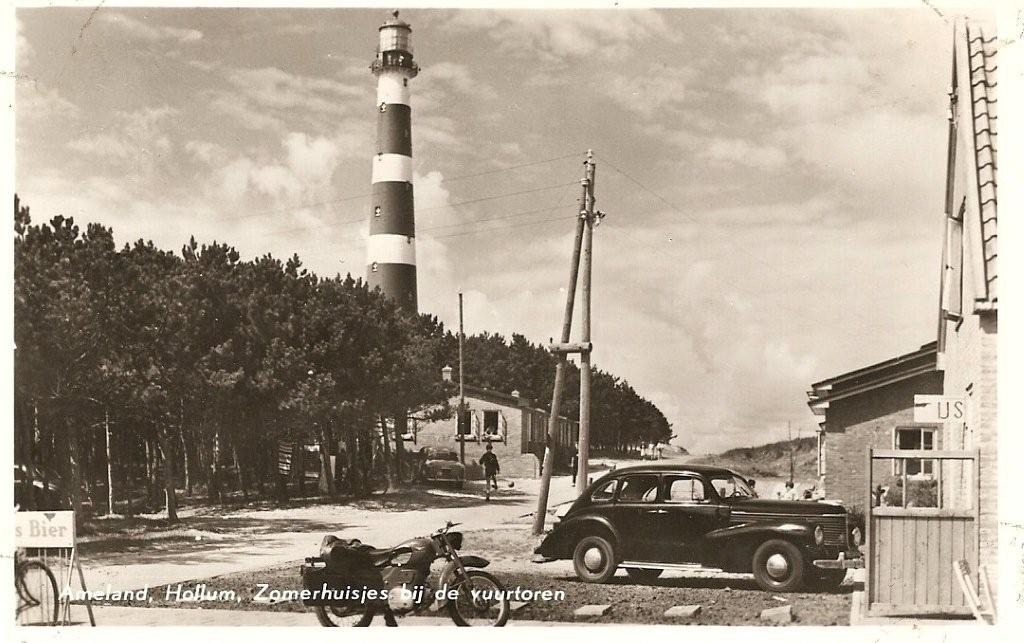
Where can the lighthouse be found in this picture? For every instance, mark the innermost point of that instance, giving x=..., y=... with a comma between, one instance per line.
x=391, y=250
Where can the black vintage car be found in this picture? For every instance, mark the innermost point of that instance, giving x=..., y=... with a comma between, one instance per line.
x=650, y=518
x=440, y=465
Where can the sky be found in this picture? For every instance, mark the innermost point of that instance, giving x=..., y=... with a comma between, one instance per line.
x=772, y=180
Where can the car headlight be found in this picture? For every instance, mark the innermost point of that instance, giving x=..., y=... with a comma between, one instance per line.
x=819, y=535
x=857, y=536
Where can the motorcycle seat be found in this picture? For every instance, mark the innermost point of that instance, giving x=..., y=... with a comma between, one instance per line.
x=381, y=556
x=376, y=557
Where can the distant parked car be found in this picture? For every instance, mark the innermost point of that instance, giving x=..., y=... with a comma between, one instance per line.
x=654, y=517
x=440, y=464
x=45, y=492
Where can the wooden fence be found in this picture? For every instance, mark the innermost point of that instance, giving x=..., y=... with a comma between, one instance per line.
x=912, y=550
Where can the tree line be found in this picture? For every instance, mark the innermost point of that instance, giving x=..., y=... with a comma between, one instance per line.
x=140, y=372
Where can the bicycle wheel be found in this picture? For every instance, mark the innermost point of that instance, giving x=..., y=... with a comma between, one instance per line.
x=482, y=601
x=38, y=596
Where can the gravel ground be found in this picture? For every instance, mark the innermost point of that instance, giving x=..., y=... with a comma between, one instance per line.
x=725, y=599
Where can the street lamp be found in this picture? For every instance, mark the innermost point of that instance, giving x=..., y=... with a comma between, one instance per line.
x=446, y=373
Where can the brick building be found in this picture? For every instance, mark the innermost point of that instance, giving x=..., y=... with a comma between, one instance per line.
x=873, y=406
x=511, y=424
x=867, y=406
x=968, y=311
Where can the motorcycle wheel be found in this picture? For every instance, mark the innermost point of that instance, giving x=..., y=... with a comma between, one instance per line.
x=466, y=611
x=344, y=617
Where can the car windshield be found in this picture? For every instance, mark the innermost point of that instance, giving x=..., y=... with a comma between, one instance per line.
x=442, y=455
x=730, y=486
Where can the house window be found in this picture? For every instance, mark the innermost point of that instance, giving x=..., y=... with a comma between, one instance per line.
x=490, y=423
x=915, y=439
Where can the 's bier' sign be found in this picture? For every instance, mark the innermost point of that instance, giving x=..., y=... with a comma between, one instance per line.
x=44, y=529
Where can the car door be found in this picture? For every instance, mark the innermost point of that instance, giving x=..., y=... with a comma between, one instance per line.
x=635, y=516
x=687, y=511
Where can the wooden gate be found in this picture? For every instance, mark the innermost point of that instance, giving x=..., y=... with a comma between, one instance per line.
x=922, y=523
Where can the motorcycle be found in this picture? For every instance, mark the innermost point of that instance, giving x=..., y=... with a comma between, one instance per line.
x=396, y=582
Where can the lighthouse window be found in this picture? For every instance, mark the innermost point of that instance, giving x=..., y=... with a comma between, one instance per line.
x=376, y=211
x=405, y=82
x=373, y=267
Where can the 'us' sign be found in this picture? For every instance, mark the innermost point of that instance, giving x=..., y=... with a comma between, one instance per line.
x=937, y=408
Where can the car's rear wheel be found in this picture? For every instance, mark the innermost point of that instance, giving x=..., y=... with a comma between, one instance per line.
x=645, y=575
x=778, y=566
x=594, y=559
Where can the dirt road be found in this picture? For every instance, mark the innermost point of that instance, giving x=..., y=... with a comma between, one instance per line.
x=213, y=543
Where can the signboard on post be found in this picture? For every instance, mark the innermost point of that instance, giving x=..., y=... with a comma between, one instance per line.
x=44, y=529
x=938, y=408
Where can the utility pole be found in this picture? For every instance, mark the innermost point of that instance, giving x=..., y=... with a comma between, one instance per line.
x=588, y=256
x=110, y=465
x=561, y=350
x=789, y=434
x=462, y=391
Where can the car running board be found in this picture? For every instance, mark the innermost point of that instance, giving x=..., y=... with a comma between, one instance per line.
x=682, y=567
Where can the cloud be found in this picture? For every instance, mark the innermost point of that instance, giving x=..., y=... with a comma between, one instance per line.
x=37, y=105
x=559, y=36
x=269, y=98
x=658, y=92
x=145, y=31
x=311, y=159
x=136, y=139
x=278, y=89
x=737, y=151
x=456, y=77
x=306, y=168
x=23, y=51
x=243, y=113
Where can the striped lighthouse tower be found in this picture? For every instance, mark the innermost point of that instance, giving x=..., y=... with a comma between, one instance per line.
x=392, y=244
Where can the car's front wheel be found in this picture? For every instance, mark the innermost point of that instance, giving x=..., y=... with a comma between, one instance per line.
x=594, y=559
x=778, y=566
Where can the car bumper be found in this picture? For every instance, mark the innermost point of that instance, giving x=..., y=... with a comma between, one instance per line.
x=542, y=554
x=845, y=560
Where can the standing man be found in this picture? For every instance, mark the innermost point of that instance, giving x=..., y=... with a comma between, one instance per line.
x=575, y=463
x=489, y=461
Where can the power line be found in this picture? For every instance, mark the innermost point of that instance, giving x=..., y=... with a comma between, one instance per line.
x=364, y=218
x=511, y=167
x=352, y=197
x=461, y=233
